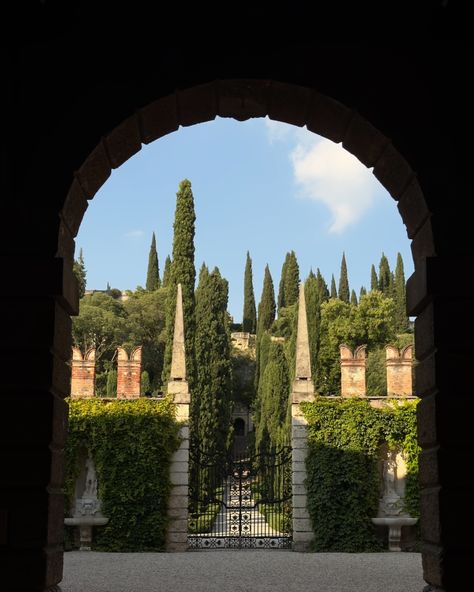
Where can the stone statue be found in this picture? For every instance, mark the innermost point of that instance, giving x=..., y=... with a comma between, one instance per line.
x=390, y=476
x=91, y=480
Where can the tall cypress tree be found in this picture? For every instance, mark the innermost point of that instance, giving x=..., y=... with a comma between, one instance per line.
x=249, y=321
x=273, y=401
x=323, y=287
x=212, y=393
x=182, y=272
x=333, y=287
x=266, y=316
x=282, y=286
x=353, y=298
x=344, y=293
x=167, y=273
x=374, y=280
x=401, y=319
x=79, y=270
x=385, y=281
x=153, y=272
x=292, y=280
x=267, y=307
x=362, y=292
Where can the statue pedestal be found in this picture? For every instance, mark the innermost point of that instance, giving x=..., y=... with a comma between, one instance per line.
x=394, y=524
x=86, y=516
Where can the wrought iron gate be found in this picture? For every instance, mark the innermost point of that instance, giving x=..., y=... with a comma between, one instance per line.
x=240, y=503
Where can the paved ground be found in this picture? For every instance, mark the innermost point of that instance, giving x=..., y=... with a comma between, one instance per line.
x=241, y=571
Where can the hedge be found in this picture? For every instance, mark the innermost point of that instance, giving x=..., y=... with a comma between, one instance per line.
x=131, y=443
x=344, y=439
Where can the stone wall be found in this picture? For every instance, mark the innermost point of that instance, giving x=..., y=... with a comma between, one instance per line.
x=83, y=374
x=129, y=370
x=399, y=371
x=352, y=371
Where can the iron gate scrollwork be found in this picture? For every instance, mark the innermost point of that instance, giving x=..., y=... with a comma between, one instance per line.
x=240, y=502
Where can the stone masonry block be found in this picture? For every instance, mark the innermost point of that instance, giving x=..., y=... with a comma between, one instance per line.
x=197, y=104
x=242, y=99
x=412, y=207
x=184, y=432
x=423, y=243
x=393, y=171
x=123, y=142
x=299, y=432
x=179, y=467
x=173, y=547
x=364, y=141
x=158, y=119
x=299, y=455
x=179, y=491
x=178, y=525
x=302, y=525
x=300, y=513
x=177, y=501
x=95, y=171
x=289, y=103
x=181, y=455
x=179, y=478
x=328, y=117
x=177, y=537
x=299, y=489
x=298, y=466
x=298, y=478
x=300, y=501
x=299, y=443
x=74, y=207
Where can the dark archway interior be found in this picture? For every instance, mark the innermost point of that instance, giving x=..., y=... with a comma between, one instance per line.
x=84, y=93
x=239, y=427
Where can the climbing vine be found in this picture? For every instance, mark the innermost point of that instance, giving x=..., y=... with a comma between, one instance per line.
x=344, y=438
x=131, y=443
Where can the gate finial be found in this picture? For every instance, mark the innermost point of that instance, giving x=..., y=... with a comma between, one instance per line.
x=178, y=359
x=303, y=359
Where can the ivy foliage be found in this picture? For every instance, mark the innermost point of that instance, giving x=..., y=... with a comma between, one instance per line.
x=343, y=483
x=131, y=443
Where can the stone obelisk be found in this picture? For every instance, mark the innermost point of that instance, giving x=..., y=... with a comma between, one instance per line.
x=303, y=390
x=177, y=534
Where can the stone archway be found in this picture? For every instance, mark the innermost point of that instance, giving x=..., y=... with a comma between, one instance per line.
x=124, y=115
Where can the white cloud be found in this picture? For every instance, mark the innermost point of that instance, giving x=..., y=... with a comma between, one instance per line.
x=327, y=173
x=134, y=233
x=278, y=131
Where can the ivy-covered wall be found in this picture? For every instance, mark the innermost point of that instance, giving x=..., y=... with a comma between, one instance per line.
x=344, y=438
x=131, y=443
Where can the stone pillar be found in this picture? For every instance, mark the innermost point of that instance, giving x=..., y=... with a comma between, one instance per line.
x=352, y=371
x=303, y=390
x=399, y=371
x=83, y=374
x=129, y=373
x=177, y=534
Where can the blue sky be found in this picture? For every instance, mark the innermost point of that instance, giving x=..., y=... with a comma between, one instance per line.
x=260, y=186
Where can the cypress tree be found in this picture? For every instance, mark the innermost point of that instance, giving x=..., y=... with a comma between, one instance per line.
x=79, y=270
x=344, y=293
x=153, y=272
x=362, y=292
x=182, y=272
x=323, y=287
x=374, y=280
x=401, y=319
x=266, y=316
x=166, y=273
x=273, y=401
x=111, y=387
x=353, y=298
x=333, y=287
x=292, y=280
x=385, y=280
x=212, y=393
x=282, y=285
x=249, y=321
x=267, y=307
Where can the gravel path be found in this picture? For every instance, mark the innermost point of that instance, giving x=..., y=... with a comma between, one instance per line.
x=242, y=571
